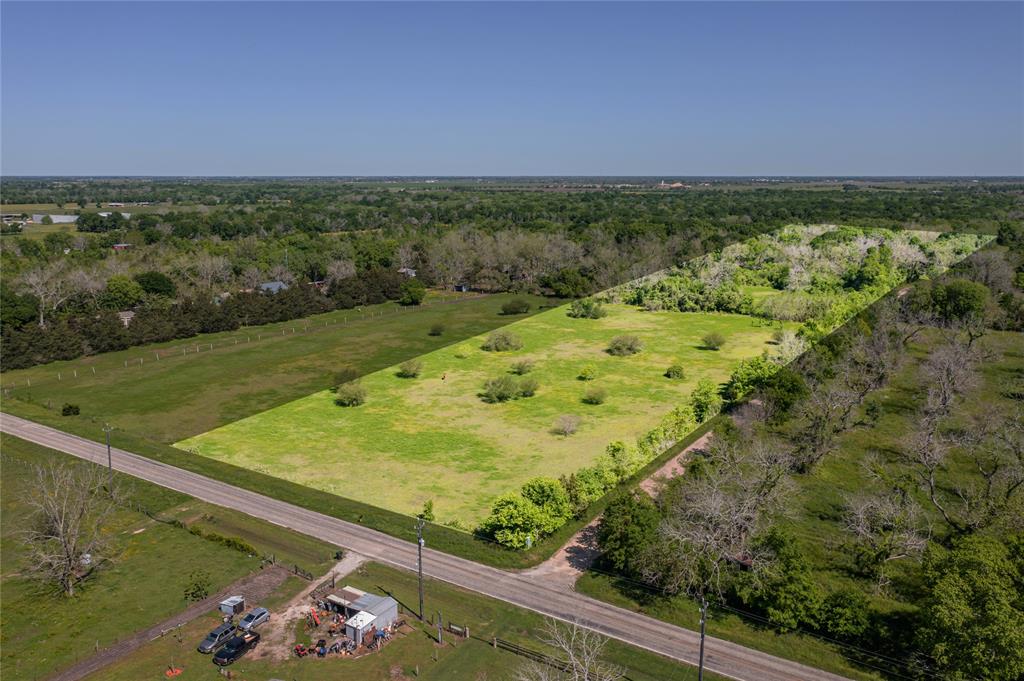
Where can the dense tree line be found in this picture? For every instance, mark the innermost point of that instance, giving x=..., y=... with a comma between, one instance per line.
x=941, y=508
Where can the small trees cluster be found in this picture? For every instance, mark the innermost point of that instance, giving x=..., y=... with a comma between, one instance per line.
x=586, y=308
x=522, y=367
x=623, y=346
x=595, y=395
x=502, y=341
x=539, y=508
x=505, y=388
x=412, y=292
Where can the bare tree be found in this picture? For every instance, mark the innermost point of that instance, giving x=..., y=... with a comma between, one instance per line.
x=65, y=536
x=340, y=269
x=579, y=648
x=85, y=283
x=712, y=517
x=49, y=285
x=208, y=270
x=886, y=527
x=252, y=277
x=282, y=273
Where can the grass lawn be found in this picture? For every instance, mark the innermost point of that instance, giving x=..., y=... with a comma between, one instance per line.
x=42, y=631
x=472, y=660
x=432, y=437
x=185, y=394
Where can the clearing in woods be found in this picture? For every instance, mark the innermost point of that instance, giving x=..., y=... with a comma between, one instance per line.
x=433, y=438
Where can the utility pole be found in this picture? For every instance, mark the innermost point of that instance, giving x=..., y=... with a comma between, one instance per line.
x=703, y=618
x=420, y=522
x=110, y=462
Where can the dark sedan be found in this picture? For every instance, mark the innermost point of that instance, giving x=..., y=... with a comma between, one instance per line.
x=236, y=648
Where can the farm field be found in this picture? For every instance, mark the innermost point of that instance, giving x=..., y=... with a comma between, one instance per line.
x=432, y=438
x=188, y=392
x=470, y=659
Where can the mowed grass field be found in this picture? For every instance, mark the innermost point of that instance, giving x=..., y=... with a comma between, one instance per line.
x=433, y=438
x=247, y=371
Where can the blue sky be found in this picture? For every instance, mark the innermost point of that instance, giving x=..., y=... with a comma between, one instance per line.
x=293, y=88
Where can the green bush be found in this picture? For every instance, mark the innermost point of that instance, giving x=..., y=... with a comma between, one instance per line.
x=515, y=306
x=436, y=330
x=514, y=521
x=350, y=394
x=844, y=614
x=705, y=400
x=502, y=341
x=500, y=389
x=595, y=395
x=522, y=367
x=588, y=373
x=676, y=371
x=622, y=346
x=528, y=387
x=410, y=368
x=586, y=308
x=713, y=340
x=70, y=410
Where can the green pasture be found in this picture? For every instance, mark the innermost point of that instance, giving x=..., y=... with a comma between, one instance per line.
x=194, y=388
x=432, y=438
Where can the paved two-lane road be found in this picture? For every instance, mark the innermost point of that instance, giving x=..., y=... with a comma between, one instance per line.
x=721, y=657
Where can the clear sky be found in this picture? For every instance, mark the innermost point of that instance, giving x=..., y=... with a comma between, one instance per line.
x=292, y=88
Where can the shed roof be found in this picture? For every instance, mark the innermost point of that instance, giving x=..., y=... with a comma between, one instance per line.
x=360, y=620
x=273, y=286
x=375, y=604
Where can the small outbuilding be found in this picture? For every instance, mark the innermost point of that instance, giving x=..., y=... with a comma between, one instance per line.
x=273, y=286
x=374, y=612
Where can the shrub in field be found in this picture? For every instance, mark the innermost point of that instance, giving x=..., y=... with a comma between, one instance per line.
x=410, y=368
x=705, y=400
x=587, y=373
x=548, y=495
x=514, y=522
x=428, y=511
x=676, y=371
x=566, y=425
x=70, y=410
x=500, y=389
x=464, y=351
x=198, y=587
x=344, y=375
x=528, y=387
x=515, y=306
x=436, y=330
x=713, y=340
x=622, y=346
x=522, y=367
x=502, y=341
x=586, y=308
x=595, y=395
x=751, y=374
x=350, y=394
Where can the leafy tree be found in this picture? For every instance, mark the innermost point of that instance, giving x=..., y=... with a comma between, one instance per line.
x=428, y=511
x=156, y=283
x=628, y=526
x=959, y=300
x=548, y=495
x=436, y=329
x=972, y=624
x=782, y=390
x=587, y=373
x=500, y=389
x=751, y=374
x=844, y=614
x=705, y=400
x=514, y=521
x=412, y=292
x=780, y=583
x=16, y=310
x=569, y=283
x=122, y=293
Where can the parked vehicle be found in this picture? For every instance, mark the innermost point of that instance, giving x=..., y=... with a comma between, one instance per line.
x=218, y=637
x=235, y=648
x=254, y=618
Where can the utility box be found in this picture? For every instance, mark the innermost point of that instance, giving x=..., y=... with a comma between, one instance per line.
x=233, y=605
